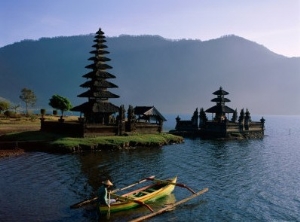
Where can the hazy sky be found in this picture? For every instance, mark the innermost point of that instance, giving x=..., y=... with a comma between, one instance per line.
x=272, y=23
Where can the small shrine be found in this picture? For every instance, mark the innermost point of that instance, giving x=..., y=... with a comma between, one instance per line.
x=220, y=109
x=148, y=114
x=220, y=125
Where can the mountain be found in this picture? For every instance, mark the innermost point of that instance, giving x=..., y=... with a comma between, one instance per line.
x=176, y=76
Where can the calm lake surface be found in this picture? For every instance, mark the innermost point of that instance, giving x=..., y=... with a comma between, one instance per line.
x=254, y=180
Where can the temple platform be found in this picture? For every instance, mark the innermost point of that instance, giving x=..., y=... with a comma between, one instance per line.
x=221, y=126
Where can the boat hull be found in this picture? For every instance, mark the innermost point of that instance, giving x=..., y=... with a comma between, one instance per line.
x=150, y=193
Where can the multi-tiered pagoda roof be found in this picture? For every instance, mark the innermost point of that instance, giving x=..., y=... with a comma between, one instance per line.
x=220, y=108
x=98, y=108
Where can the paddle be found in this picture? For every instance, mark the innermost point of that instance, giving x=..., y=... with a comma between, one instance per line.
x=133, y=200
x=84, y=202
x=88, y=201
x=169, y=182
x=108, y=212
x=136, y=183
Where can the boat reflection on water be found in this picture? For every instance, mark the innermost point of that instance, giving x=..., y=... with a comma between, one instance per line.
x=141, y=211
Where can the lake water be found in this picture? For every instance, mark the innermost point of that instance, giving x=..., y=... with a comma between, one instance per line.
x=251, y=180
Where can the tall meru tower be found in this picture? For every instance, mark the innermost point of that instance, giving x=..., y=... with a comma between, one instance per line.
x=98, y=109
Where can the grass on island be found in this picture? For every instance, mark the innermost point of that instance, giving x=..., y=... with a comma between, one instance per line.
x=58, y=140
x=139, y=139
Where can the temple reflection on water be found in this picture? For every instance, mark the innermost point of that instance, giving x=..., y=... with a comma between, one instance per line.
x=221, y=126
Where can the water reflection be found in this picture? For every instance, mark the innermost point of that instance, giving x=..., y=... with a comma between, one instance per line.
x=113, y=165
x=142, y=211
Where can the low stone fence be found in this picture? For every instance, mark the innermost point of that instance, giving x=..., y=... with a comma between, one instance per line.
x=253, y=129
x=232, y=127
x=147, y=128
x=79, y=129
x=93, y=130
x=185, y=125
x=256, y=126
x=67, y=128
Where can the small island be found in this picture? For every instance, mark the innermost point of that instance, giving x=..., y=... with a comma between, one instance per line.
x=220, y=126
x=22, y=134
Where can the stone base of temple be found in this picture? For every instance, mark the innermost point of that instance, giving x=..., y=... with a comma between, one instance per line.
x=220, y=136
x=225, y=130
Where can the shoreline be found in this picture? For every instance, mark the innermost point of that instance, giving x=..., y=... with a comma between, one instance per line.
x=35, y=141
x=11, y=152
x=19, y=137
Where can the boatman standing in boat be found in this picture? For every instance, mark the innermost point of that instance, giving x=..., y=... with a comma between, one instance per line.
x=103, y=194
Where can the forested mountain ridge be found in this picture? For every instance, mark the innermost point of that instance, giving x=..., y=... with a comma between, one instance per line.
x=175, y=76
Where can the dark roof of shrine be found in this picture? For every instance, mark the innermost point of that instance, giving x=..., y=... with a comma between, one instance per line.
x=219, y=109
x=148, y=111
x=99, y=40
x=220, y=99
x=100, y=84
x=98, y=66
x=100, y=32
x=99, y=45
x=99, y=51
x=98, y=94
x=96, y=107
x=102, y=59
x=220, y=92
x=100, y=74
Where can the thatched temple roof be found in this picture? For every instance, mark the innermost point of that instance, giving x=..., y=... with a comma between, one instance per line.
x=220, y=100
x=220, y=92
x=98, y=94
x=148, y=111
x=96, y=107
x=219, y=109
x=101, y=84
x=100, y=74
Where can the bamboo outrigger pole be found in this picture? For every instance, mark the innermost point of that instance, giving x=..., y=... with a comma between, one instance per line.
x=169, y=182
x=169, y=207
x=92, y=200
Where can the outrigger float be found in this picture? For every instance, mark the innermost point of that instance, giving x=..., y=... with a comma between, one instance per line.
x=141, y=196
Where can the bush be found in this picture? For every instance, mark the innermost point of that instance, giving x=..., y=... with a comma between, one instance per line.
x=33, y=117
x=10, y=114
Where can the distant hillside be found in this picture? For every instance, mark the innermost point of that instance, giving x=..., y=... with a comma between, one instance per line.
x=175, y=76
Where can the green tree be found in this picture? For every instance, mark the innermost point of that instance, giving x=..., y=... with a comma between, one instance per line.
x=60, y=103
x=203, y=117
x=242, y=116
x=4, y=105
x=234, y=116
x=28, y=96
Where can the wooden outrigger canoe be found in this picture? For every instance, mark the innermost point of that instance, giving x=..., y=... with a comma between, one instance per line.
x=139, y=197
